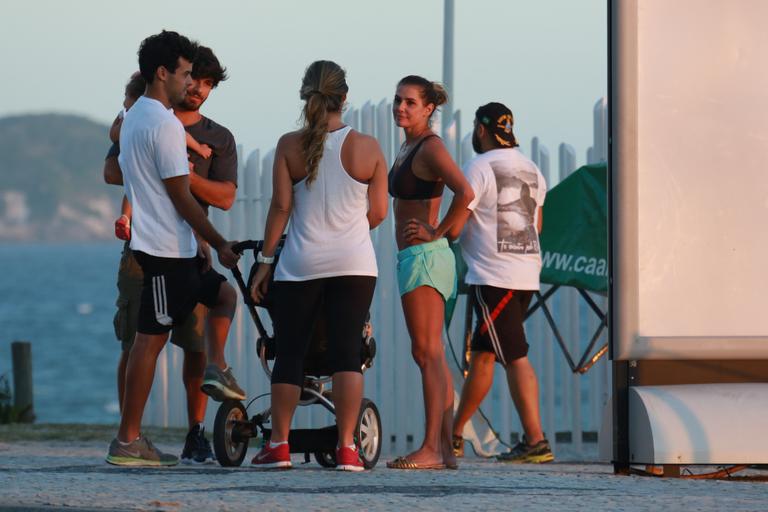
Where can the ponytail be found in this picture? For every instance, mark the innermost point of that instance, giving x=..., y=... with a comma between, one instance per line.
x=322, y=89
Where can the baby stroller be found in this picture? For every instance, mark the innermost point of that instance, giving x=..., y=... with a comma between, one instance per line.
x=233, y=429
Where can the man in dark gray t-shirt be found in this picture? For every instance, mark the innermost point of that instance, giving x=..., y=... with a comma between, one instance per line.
x=220, y=167
x=213, y=181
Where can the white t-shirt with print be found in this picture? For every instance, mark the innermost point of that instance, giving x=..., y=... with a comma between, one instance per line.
x=153, y=148
x=500, y=243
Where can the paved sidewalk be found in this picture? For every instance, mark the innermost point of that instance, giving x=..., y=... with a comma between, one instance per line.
x=45, y=475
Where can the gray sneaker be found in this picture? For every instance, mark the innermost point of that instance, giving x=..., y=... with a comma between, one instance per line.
x=221, y=384
x=141, y=452
x=524, y=453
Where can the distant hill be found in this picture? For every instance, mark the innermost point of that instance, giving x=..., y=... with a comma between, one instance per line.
x=51, y=185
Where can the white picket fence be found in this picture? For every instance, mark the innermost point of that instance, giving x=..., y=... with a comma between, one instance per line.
x=569, y=403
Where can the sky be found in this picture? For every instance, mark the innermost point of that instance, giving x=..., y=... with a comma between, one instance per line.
x=545, y=59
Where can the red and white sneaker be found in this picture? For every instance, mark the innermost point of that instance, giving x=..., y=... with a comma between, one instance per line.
x=273, y=458
x=348, y=459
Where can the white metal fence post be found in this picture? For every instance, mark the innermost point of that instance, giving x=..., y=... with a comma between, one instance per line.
x=467, y=152
x=384, y=129
x=566, y=162
x=367, y=118
x=352, y=118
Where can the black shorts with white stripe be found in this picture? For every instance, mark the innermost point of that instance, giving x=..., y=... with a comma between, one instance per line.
x=172, y=288
x=500, y=315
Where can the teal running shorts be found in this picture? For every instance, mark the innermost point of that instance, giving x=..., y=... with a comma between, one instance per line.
x=431, y=264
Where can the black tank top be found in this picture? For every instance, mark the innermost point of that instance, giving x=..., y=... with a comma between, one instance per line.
x=403, y=184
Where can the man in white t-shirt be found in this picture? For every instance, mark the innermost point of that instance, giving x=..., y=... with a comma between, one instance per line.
x=202, y=336
x=500, y=244
x=153, y=159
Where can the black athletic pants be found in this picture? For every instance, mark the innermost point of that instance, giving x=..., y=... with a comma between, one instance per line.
x=342, y=302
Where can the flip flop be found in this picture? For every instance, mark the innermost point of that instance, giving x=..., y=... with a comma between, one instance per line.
x=403, y=463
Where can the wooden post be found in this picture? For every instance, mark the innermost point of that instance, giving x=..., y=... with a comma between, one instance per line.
x=21, y=353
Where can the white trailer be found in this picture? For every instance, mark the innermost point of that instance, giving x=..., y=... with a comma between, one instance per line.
x=688, y=157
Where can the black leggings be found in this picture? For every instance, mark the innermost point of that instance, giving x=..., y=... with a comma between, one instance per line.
x=341, y=302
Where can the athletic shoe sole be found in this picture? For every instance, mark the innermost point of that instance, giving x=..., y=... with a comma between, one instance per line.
x=274, y=465
x=219, y=392
x=534, y=459
x=350, y=467
x=130, y=461
x=193, y=462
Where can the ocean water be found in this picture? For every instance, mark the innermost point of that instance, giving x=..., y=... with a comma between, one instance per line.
x=61, y=298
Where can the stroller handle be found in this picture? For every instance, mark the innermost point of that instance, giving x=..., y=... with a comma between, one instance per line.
x=241, y=247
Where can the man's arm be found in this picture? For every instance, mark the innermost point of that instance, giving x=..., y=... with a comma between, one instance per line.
x=113, y=175
x=540, y=222
x=114, y=130
x=220, y=187
x=190, y=211
x=220, y=194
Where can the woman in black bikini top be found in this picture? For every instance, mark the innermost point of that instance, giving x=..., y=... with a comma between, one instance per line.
x=426, y=267
x=404, y=184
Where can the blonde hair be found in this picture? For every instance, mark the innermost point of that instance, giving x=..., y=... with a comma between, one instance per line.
x=322, y=89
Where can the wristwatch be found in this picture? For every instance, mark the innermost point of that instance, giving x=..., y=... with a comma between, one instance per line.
x=265, y=259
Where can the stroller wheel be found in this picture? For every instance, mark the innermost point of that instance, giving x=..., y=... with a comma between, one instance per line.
x=326, y=459
x=368, y=433
x=231, y=433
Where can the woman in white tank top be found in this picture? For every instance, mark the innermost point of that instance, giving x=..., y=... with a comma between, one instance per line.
x=330, y=181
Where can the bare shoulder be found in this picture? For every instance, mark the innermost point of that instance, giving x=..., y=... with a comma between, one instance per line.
x=360, y=155
x=362, y=141
x=433, y=145
x=432, y=160
x=361, y=148
x=289, y=141
x=431, y=153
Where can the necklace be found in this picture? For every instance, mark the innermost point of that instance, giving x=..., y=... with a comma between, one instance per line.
x=406, y=147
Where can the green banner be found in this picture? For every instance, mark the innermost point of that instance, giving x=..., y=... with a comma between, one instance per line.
x=574, y=238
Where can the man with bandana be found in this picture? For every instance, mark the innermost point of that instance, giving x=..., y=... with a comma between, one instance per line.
x=500, y=245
